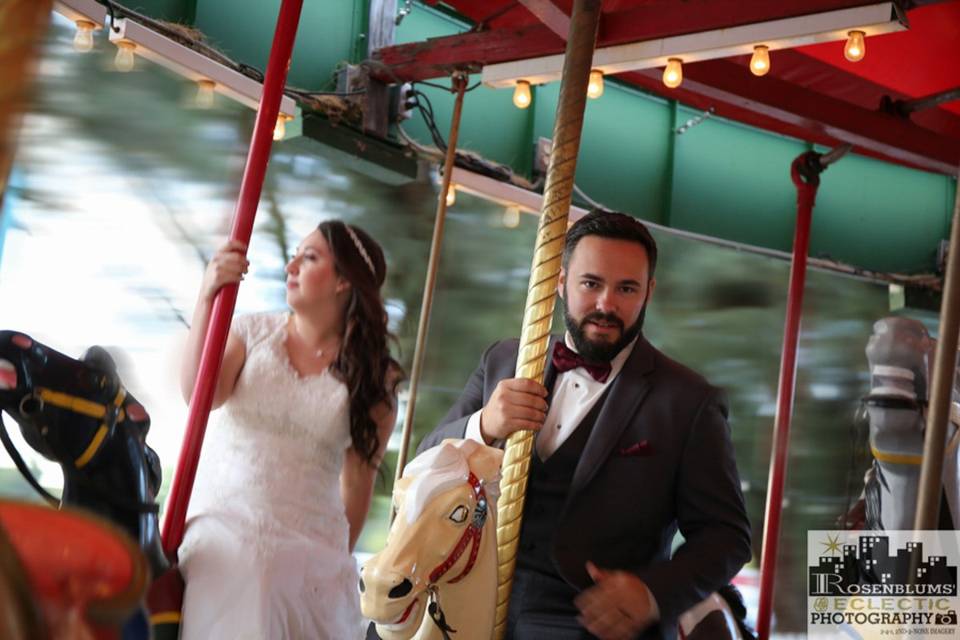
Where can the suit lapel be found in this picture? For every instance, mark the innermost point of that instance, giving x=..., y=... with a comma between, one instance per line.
x=624, y=397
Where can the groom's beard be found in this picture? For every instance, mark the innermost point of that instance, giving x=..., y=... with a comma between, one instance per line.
x=599, y=350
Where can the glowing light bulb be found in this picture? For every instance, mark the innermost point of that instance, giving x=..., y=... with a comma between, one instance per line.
x=760, y=62
x=511, y=217
x=595, y=86
x=83, y=40
x=855, y=48
x=673, y=74
x=125, y=58
x=280, y=129
x=205, y=91
x=521, y=94
x=452, y=195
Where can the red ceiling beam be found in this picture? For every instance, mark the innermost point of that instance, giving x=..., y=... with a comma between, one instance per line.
x=438, y=57
x=550, y=15
x=787, y=108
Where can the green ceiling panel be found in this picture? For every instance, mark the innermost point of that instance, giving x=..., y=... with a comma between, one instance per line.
x=733, y=182
x=327, y=37
x=873, y=212
x=624, y=150
x=181, y=11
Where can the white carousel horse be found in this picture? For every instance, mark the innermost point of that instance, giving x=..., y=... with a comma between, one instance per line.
x=900, y=353
x=441, y=553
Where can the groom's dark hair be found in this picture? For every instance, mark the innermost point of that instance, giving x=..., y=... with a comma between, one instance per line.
x=610, y=224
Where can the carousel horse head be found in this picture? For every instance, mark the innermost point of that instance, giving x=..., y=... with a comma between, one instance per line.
x=441, y=553
x=900, y=354
x=78, y=414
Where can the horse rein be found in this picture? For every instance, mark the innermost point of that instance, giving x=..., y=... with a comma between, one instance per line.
x=472, y=534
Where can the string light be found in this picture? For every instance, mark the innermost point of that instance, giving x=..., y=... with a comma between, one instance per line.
x=280, y=129
x=452, y=195
x=521, y=94
x=760, y=61
x=595, y=86
x=125, y=58
x=673, y=73
x=855, y=48
x=83, y=40
x=205, y=93
x=511, y=217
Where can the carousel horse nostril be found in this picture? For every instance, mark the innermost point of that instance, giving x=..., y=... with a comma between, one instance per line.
x=401, y=589
x=362, y=586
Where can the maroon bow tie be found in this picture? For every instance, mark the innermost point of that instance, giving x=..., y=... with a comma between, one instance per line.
x=565, y=359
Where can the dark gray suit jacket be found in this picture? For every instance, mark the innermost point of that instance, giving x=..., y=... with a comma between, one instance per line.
x=659, y=457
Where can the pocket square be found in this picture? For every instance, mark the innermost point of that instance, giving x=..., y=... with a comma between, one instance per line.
x=642, y=448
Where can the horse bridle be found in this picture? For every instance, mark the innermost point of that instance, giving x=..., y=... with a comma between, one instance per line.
x=471, y=535
x=110, y=413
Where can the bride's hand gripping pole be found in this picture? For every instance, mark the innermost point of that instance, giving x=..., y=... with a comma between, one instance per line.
x=542, y=290
x=216, y=340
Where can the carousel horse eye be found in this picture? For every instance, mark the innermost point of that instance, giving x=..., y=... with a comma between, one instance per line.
x=459, y=514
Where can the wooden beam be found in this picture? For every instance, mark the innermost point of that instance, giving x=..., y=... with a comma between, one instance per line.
x=438, y=57
x=549, y=14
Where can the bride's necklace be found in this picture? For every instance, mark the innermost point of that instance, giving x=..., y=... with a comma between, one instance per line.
x=317, y=353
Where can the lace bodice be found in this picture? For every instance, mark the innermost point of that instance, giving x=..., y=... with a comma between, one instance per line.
x=272, y=454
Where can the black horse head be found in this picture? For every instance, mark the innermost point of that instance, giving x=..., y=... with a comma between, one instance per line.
x=78, y=414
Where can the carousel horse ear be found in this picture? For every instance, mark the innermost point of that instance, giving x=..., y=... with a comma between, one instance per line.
x=99, y=358
x=485, y=462
x=400, y=490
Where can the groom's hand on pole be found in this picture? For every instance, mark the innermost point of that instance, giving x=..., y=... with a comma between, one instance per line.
x=516, y=404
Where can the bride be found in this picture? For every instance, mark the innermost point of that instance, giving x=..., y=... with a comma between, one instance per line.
x=287, y=469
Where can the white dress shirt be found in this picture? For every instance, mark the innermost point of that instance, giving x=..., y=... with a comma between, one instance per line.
x=575, y=393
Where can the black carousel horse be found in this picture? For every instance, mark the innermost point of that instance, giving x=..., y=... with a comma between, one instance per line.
x=78, y=414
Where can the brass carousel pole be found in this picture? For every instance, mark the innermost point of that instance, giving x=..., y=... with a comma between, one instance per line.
x=459, y=85
x=944, y=368
x=542, y=290
x=23, y=24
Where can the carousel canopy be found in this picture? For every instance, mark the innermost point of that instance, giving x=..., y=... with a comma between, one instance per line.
x=709, y=156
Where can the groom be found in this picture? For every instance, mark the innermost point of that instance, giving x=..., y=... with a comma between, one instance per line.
x=630, y=447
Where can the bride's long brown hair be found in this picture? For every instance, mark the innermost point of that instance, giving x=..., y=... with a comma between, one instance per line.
x=364, y=363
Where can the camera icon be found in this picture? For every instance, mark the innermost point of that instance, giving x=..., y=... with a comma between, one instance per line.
x=946, y=618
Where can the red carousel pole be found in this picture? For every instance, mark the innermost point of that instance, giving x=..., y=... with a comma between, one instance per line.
x=223, y=306
x=805, y=172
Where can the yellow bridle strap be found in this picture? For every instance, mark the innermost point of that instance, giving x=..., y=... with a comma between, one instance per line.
x=92, y=448
x=167, y=617
x=70, y=402
x=896, y=458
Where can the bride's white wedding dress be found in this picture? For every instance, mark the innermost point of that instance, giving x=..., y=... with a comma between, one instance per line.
x=265, y=553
